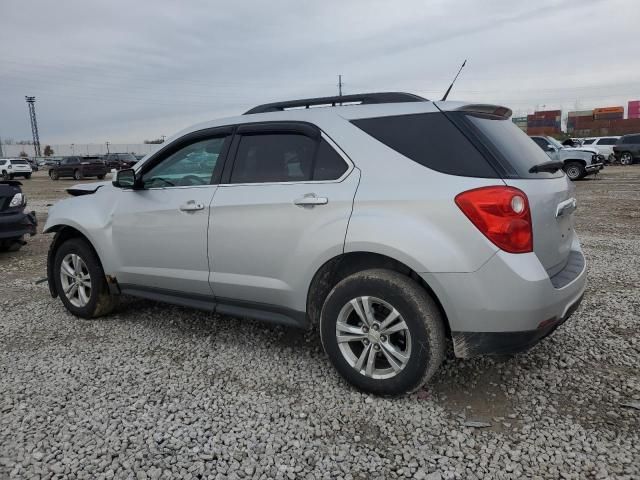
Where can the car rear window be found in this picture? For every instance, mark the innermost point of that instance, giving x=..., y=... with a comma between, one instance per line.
x=630, y=139
x=431, y=140
x=510, y=146
x=19, y=162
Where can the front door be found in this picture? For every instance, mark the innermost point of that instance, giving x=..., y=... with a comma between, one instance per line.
x=282, y=212
x=160, y=229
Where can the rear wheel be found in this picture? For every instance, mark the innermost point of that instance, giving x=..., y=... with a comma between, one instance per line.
x=80, y=280
x=100, y=177
x=77, y=175
x=626, y=158
x=574, y=170
x=382, y=332
x=53, y=175
x=5, y=175
x=27, y=176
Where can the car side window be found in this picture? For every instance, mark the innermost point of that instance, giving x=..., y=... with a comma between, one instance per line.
x=607, y=141
x=329, y=165
x=541, y=142
x=273, y=157
x=588, y=141
x=193, y=164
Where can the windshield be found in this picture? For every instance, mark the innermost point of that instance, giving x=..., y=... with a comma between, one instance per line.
x=513, y=149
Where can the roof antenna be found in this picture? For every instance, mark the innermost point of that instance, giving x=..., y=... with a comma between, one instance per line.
x=454, y=81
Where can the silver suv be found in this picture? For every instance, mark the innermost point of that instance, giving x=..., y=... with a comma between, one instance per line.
x=393, y=224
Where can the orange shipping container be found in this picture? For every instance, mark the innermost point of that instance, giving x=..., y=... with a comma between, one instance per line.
x=596, y=111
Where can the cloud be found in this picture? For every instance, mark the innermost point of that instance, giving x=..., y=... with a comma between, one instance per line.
x=125, y=71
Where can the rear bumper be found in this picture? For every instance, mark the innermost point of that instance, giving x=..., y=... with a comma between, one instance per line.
x=17, y=224
x=510, y=303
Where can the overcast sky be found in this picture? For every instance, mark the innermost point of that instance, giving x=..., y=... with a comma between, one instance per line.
x=125, y=71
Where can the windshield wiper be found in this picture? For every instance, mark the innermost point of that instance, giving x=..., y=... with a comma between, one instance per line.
x=550, y=167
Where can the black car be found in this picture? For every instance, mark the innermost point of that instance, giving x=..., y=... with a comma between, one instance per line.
x=627, y=149
x=120, y=161
x=15, y=223
x=79, y=168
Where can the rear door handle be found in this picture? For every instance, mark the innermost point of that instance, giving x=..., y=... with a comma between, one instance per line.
x=191, y=206
x=310, y=200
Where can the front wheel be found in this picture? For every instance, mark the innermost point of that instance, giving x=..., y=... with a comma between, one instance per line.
x=626, y=158
x=574, y=170
x=382, y=332
x=53, y=175
x=80, y=280
x=5, y=176
x=27, y=176
x=77, y=175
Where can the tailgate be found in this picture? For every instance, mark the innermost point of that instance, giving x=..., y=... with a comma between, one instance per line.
x=552, y=203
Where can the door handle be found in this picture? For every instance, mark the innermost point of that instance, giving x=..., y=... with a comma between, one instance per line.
x=191, y=206
x=310, y=200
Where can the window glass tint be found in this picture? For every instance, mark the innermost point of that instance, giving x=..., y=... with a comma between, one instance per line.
x=329, y=164
x=511, y=146
x=541, y=142
x=632, y=139
x=607, y=141
x=285, y=157
x=191, y=165
x=588, y=141
x=19, y=162
x=429, y=139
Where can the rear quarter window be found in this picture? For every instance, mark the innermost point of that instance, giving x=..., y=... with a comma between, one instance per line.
x=431, y=140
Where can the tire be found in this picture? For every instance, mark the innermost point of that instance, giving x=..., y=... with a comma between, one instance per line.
x=77, y=175
x=53, y=175
x=626, y=158
x=5, y=175
x=99, y=301
x=12, y=244
x=423, y=339
x=574, y=170
x=27, y=176
x=100, y=177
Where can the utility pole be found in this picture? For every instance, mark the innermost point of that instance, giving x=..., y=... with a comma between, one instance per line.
x=107, y=144
x=1, y=154
x=31, y=103
x=163, y=137
x=339, y=85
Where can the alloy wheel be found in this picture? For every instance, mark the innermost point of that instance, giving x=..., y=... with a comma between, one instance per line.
x=373, y=337
x=75, y=280
x=625, y=159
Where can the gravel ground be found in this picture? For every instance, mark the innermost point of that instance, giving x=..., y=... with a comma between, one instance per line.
x=156, y=391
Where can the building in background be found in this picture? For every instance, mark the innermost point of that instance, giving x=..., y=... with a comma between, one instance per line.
x=521, y=122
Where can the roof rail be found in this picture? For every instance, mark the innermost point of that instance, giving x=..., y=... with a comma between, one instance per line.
x=359, y=98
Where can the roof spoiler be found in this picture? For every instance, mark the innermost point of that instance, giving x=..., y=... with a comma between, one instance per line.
x=486, y=109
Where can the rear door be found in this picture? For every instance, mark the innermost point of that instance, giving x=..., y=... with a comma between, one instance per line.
x=551, y=195
x=281, y=211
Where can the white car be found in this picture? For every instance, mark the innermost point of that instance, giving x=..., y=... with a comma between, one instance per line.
x=603, y=145
x=14, y=167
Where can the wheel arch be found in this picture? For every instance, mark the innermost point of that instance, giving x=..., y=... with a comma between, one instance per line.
x=575, y=160
x=341, y=266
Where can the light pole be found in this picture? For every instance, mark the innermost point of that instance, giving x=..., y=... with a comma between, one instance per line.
x=163, y=137
x=107, y=143
x=73, y=151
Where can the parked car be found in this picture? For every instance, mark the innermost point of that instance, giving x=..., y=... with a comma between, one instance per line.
x=120, y=160
x=603, y=145
x=78, y=168
x=395, y=226
x=52, y=161
x=33, y=164
x=577, y=163
x=15, y=223
x=14, y=167
x=627, y=149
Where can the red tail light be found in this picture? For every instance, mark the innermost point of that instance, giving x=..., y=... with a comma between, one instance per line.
x=502, y=214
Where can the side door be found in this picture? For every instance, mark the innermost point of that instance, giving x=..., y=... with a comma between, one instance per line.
x=160, y=227
x=66, y=167
x=280, y=212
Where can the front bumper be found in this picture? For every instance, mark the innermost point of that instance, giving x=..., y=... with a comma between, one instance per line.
x=510, y=303
x=14, y=225
x=594, y=167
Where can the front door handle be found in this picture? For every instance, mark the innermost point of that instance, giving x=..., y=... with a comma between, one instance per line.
x=191, y=206
x=310, y=200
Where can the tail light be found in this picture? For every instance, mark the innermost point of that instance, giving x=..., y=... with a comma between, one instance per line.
x=502, y=214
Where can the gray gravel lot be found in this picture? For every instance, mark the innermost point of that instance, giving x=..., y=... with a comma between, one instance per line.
x=156, y=391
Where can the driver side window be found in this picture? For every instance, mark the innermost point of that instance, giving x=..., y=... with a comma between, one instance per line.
x=191, y=165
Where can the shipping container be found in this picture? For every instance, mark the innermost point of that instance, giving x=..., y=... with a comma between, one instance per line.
x=633, y=111
x=597, y=111
x=581, y=113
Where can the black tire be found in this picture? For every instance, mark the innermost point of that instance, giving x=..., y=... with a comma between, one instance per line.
x=574, y=170
x=53, y=175
x=77, y=174
x=626, y=158
x=27, y=176
x=5, y=176
x=12, y=244
x=100, y=177
x=101, y=302
x=419, y=312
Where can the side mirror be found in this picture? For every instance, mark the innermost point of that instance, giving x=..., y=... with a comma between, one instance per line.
x=125, y=179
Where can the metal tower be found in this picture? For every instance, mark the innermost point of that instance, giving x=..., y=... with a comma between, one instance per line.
x=31, y=102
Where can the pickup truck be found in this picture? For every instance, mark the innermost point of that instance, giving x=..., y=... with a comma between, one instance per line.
x=577, y=162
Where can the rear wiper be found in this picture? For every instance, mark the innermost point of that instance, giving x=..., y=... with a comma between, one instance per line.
x=550, y=167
